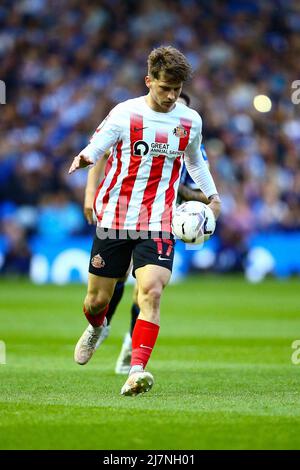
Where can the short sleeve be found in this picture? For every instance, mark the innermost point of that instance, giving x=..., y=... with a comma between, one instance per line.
x=106, y=135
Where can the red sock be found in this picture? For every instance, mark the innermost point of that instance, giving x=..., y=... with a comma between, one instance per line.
x=143, y=340
x=95, y=320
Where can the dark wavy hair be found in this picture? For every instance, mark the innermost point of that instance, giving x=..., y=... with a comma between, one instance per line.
x=171, y=62
x=185, y=97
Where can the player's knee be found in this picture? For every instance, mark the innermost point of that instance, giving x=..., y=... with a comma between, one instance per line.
x=96, y=302
x=151, y=293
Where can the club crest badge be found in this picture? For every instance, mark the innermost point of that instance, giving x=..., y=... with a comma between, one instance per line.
x=97, y=262
x=179, y=131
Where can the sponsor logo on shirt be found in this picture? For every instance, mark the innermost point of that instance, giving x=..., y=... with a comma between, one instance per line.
x=140, y=148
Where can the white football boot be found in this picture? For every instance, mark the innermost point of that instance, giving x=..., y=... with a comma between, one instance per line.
x=90, y=340
x=124, y=359
x=137, y=382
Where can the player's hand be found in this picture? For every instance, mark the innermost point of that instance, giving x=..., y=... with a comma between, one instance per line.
x=89, y=215
x=215, y=205
x=88, y=210
x=80, y=162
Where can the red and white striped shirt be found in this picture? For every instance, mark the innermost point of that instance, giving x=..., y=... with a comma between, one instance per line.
x=142, y=173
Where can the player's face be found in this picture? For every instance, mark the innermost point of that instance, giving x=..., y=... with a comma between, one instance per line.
x=163, y=92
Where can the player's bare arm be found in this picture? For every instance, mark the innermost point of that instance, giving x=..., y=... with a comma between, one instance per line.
x=188, y=194
x=215, y=204
x=95, y=175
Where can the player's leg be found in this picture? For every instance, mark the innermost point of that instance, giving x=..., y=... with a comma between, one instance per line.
x=114, y=302
x=135, y=309
x=110, y=259
x=124, y=359
x=152, y=266
x=151, y=280
x=99, y=293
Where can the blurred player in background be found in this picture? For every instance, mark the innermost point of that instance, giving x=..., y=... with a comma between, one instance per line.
x=187, y=191
x=150, y=136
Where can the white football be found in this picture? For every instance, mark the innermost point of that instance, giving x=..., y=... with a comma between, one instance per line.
x=193, y=222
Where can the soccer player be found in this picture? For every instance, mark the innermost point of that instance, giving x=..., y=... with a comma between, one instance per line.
x=150, y=136
x=187, y=192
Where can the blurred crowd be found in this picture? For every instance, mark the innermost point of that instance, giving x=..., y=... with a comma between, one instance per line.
x=66, y=63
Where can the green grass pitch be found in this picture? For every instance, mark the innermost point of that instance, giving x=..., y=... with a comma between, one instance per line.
x=222, y=366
